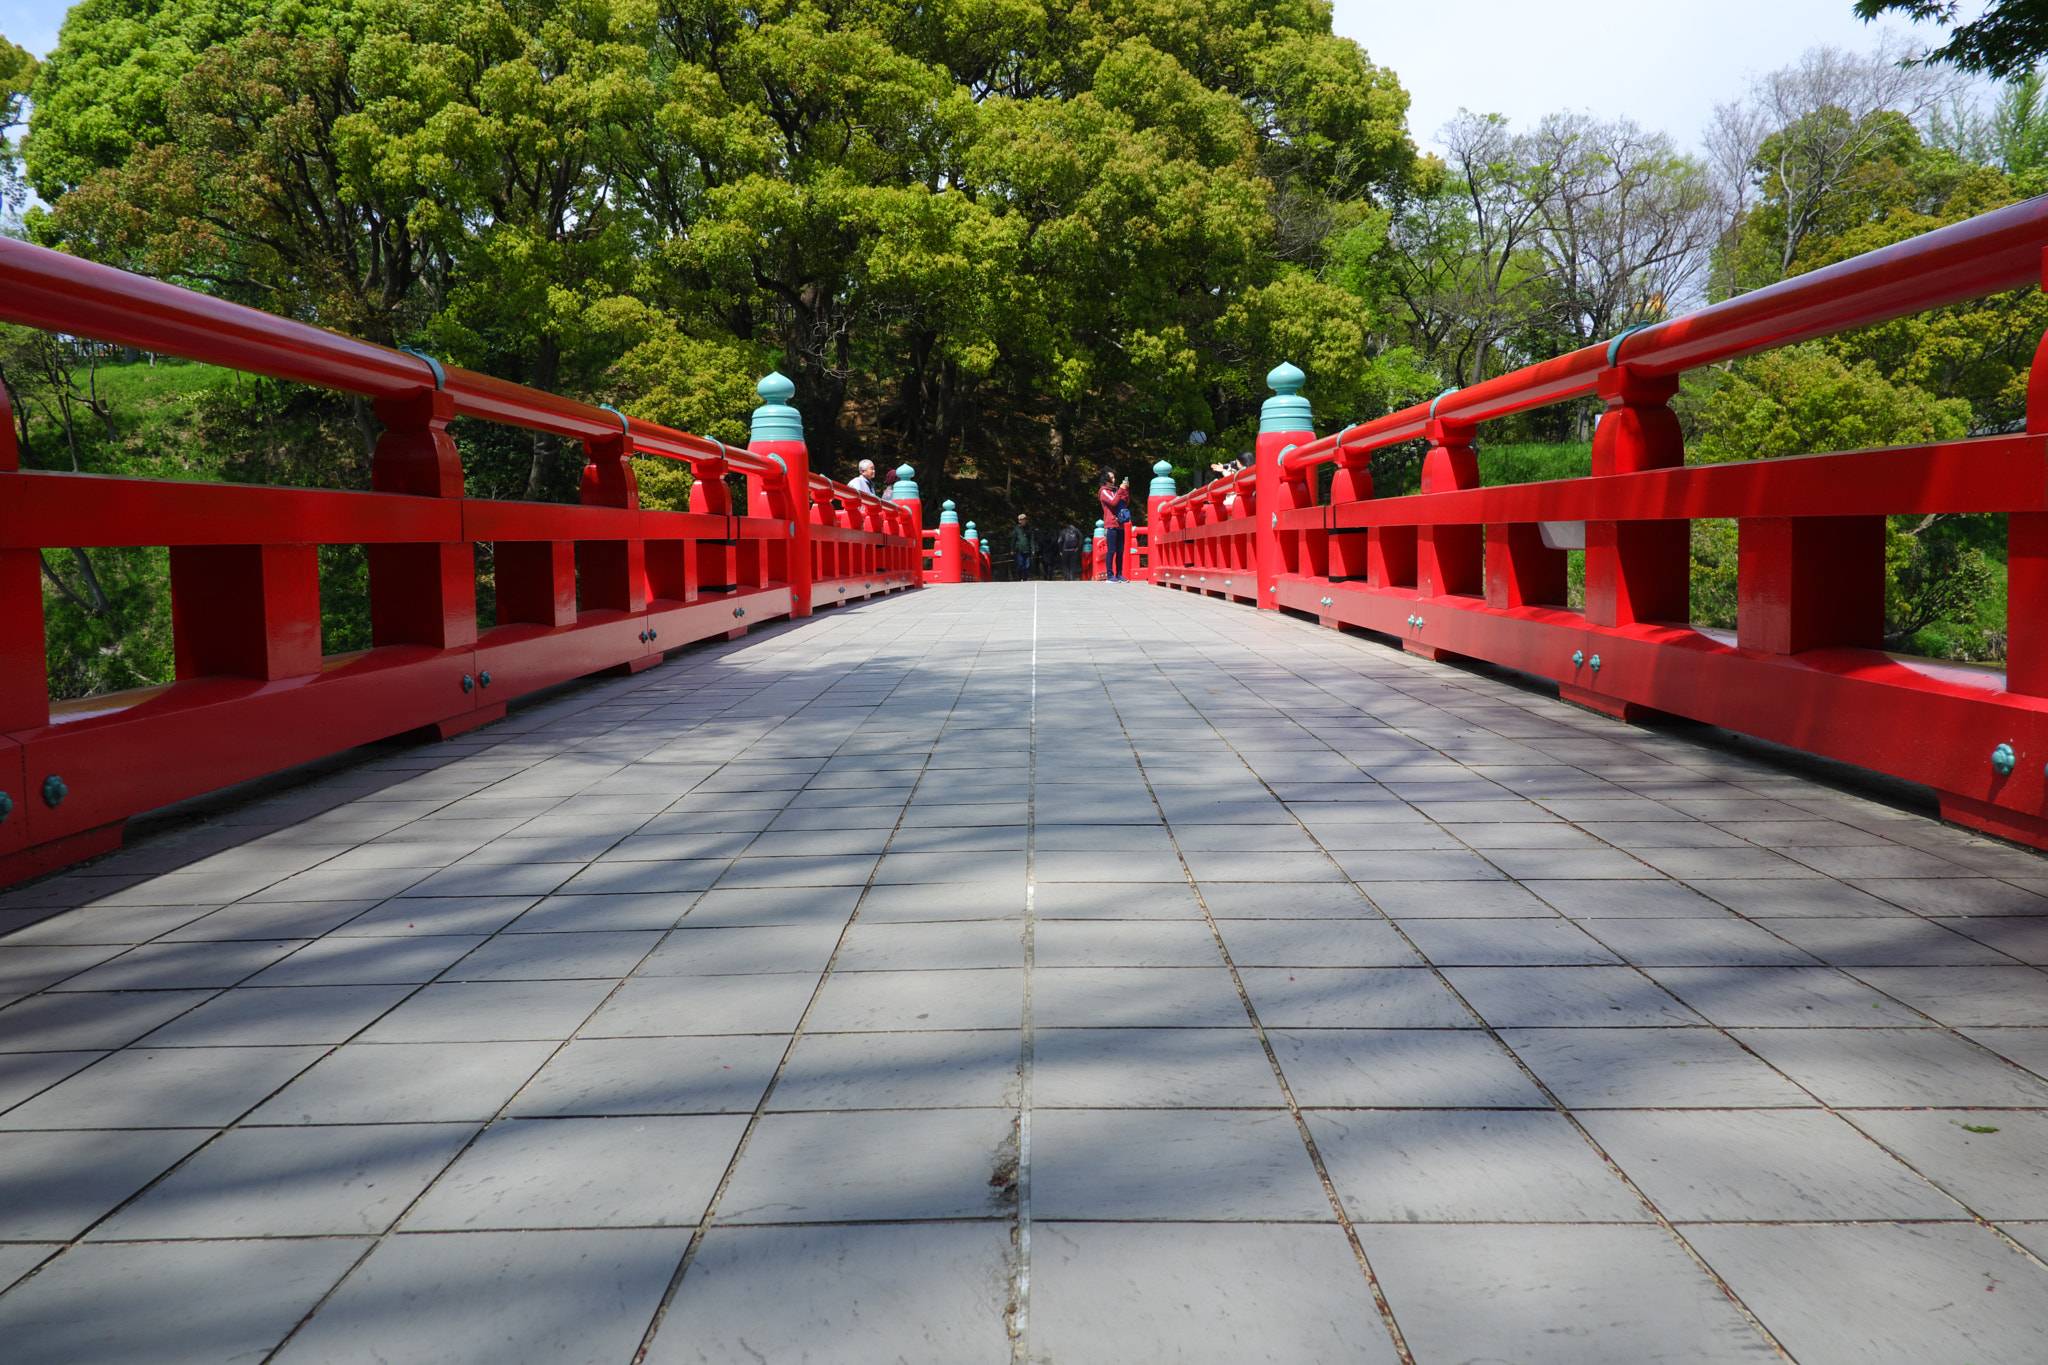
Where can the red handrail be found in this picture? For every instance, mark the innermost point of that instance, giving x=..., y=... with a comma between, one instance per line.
x=55, y=292
x=1461, y=571
x=1989, y=254
x=580, y=589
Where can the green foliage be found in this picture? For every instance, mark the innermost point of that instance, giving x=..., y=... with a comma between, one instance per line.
x=664, y=484
x=2006, y=39
x=17, y=74
x=1945, y=591
x=107, y=620
x=1804, y=399
x=997, y=243
x=1513, y=463
x=1713, y=573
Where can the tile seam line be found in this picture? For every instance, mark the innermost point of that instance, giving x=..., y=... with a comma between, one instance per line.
x=1381, y=1304
x=1557, y=1105
x=1970, y=1214
x=391, y=1230
x=659, y=1318
x=1020, y=1323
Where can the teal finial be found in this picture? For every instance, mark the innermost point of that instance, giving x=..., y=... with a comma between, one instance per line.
x=1100, y=534
x=1286, y=378
x=775, y=420
x=906, y=484
x=972, y=534
x=1287, y=410
x=947, y=516
x=1162, y=481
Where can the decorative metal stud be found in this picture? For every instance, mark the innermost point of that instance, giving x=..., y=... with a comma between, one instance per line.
x=653, y=635
x=2004, y=760
x=739, y=611
x=1595, y=663
x=6, y=805
x=643, y=637
x=1578, y=658
x=468, y=683
x=54, y=791
x=484, y=678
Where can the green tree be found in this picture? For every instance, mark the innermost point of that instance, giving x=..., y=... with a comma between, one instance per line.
x=2007, y=39
x=17, y=74
x=1804, y=399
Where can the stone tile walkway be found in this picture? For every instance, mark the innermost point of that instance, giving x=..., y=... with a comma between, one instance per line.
x=1062, y=973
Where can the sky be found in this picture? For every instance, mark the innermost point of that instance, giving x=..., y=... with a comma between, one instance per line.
x=1663, y=63
x=31, y=23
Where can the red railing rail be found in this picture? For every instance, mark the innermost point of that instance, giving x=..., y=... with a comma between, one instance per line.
x=604, y=585
x=1461, y=571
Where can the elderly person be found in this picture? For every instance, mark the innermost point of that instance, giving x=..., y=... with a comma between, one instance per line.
x=865, y=480
x=1024, y=543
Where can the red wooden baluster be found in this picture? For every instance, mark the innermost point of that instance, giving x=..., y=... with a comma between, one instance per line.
x=1521, y=571
x=250, y=611
x=420, y=594
x=1390, y=556
x=1809, y=582
x=536, y=581
x=24, y=680
x=1637, y=570
x=1351, y=483
x=2026, y=558
x=711, y=496
x=611, y=574
x=1448, y=561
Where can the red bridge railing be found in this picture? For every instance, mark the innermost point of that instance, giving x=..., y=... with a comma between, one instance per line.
x=1459, y=570
x=580, y=589
x=954, y=553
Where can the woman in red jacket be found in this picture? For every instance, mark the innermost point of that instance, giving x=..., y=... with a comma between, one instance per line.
x=1116, y=514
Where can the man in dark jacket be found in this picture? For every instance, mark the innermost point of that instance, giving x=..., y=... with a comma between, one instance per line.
x=1070, y=552
x=1023, y=541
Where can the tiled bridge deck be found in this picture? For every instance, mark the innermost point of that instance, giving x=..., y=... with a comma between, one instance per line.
x=1146, y=978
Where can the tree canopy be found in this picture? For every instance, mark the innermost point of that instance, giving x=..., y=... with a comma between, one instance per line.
x=1001, y=239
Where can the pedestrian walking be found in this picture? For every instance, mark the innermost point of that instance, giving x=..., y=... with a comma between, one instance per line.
x=1070, y=552
x=1024, y=541
x=1116, y=515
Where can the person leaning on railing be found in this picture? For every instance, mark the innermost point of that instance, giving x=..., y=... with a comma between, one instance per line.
x=865, y=480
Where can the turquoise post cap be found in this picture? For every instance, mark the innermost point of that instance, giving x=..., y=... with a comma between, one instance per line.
x=1162, y=481
x=906, y=484
x=775, y=420
x=972, y=534
x=1100, y=534
x=947, y=516
x=1287, y=410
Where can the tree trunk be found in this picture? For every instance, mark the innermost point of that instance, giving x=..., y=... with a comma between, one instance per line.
x=547, y=366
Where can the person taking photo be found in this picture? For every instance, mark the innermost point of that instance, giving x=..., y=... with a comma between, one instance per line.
x=1116, y=515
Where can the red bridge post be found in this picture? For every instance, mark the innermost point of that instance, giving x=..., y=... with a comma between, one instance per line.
x=910, y=503
x=778, y=432
x=1284, y=422
x=946, y=558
